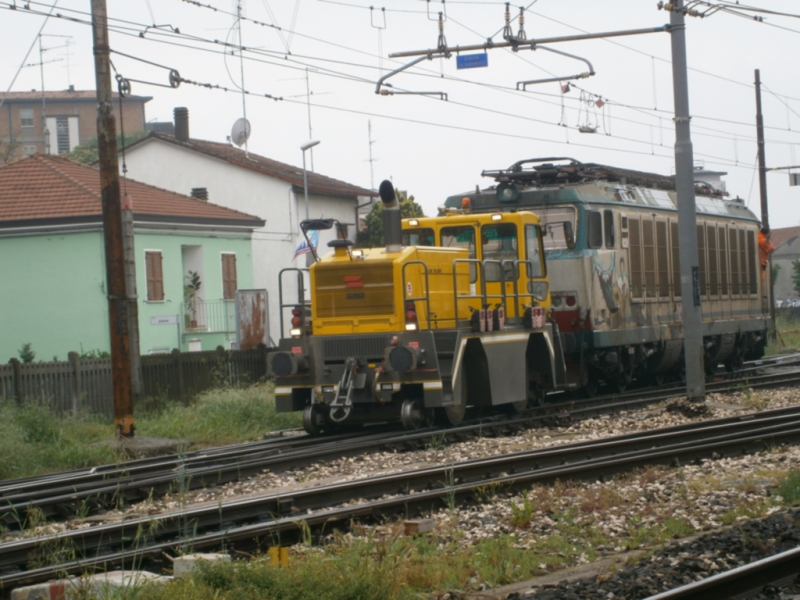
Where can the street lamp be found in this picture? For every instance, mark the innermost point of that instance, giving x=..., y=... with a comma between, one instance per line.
x=304, y=147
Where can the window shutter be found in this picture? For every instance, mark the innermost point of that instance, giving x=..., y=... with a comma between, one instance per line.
x=155, y=277
x=229, y=283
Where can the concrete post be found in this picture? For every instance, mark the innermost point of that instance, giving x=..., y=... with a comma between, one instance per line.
x=687, y=216
x=75, y=361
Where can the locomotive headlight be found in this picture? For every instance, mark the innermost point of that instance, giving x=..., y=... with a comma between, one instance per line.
x=556, y=301
x=295, y=332
x=327, y=389
x=386, y=387
x=411, y=326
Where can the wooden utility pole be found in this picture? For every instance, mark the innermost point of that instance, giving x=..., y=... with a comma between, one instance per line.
x=112, y=226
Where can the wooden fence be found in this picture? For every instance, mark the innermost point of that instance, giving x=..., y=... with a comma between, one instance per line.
x=84, y=385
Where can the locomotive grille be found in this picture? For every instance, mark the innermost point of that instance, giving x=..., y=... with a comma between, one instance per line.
x=360, y=347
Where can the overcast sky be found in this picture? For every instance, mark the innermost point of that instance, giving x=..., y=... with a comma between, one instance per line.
x=430, y=147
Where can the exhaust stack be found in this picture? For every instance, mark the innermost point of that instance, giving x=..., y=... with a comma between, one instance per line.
x=392, y=226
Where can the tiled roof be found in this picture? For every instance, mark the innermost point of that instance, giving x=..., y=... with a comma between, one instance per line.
x=778, y=237
x=45, y=186
x=82, y=95
x=317, y=183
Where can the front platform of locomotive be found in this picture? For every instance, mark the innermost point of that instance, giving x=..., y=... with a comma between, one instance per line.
x=364, y=349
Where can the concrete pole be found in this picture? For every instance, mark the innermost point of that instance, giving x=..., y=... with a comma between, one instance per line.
x=687, y=216
x=305, y=183
x=112, y=226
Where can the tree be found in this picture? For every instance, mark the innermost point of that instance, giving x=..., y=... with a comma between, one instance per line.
x=26, y=353
x=796, y=275
x=372, y=234
x=87, y=152
x=776, y=269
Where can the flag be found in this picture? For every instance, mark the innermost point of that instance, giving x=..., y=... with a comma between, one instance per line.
x=303, y=248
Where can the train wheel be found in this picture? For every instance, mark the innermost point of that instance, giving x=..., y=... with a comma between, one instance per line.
x=413, y=415
x=454, y=414
x=735, y=361
x=313, y=420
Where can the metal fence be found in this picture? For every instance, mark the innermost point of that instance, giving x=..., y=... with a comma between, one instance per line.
x=84, y=385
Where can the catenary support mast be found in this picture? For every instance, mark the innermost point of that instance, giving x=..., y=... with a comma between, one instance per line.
x=687, y=215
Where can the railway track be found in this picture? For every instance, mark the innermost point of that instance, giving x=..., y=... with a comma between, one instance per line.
x=88, y=491
x=743, y=582
x=241, y=523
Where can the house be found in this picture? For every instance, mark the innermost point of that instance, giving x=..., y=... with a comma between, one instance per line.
x=56, y=122
x=787, y=250
x=245, y=181
x=53, y=274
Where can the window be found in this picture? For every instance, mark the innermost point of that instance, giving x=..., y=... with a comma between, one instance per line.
x=533, y=252
x=608, y=225
x=743, y=290
x=28, y=150
x=701, y=258
x=229, y=284
x=155, y=275
x=499, y=243
x=662, y=253
x=418, y=237
x=552, y=222
x=649, y=248
x=723, y=261
x=637, y=276
x=462, y=236
x=26, y=117
x=595, y=229
x=751, y=261
x=676, y=259
x=734, y=253
x=62, y=135
x=713, y=270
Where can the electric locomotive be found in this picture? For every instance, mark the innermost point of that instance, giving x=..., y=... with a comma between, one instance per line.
x=418, y=332
x=611, y=240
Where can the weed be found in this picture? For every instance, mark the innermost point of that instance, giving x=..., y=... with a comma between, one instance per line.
x=521, y=516
x=789, y=489
x=437, y=442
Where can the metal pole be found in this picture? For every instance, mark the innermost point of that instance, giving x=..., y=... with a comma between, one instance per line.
x=305, y=183
x=532, y=43
x=687, y=216
x=45, y=132
x=762, y=184
x=112, y=226
x=762, y=161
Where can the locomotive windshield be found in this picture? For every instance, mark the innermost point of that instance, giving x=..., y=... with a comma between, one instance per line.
x=555, y=216
x=418, y=237
x=499, y=242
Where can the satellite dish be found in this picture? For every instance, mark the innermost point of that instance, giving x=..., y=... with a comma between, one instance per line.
x=240, y=132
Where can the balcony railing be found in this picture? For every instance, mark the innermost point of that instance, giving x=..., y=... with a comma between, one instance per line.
x=216, y=316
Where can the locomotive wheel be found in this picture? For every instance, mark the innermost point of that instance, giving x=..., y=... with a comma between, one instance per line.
x=454, y=414
x=313, y=420
x=735, y=361
x=413, y=415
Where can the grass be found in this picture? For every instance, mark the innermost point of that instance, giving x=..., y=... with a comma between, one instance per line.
x=34, y=440
x=788, y=335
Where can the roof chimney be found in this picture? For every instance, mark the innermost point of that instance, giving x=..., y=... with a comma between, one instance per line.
x=181, y=114
x=200, y=194
x=71, y=88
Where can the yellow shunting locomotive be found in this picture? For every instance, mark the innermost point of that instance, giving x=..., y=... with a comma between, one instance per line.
x=415, y=332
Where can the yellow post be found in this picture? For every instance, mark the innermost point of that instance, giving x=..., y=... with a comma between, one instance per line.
x=279, y=556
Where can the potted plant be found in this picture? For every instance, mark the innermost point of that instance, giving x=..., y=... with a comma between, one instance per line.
x=191, y=290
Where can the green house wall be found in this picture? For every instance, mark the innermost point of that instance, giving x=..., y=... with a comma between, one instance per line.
x=53, y=291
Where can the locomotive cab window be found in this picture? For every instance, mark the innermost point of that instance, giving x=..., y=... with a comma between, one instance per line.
x=418, y=237
x=557, y=222
x=595, y=229
x=534, y=251
x=461, y=236
x=499, y=243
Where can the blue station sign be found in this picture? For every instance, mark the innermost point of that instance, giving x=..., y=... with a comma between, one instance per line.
x=472, y=61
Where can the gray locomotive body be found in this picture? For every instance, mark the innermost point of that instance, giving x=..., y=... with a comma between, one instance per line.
x=612, y=247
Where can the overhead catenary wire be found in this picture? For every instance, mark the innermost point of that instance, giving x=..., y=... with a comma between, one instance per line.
x=175, y=33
